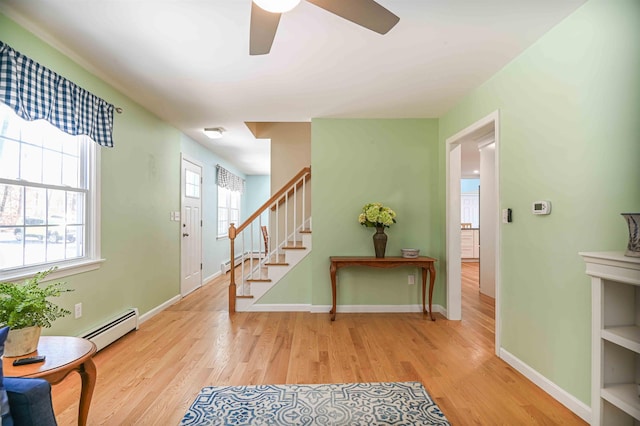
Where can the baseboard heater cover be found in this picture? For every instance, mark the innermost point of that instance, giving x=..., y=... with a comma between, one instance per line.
x=114, y=329
x=226, y=266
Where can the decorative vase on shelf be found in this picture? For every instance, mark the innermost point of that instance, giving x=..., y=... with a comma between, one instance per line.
x=380, y=241
x=633, y=247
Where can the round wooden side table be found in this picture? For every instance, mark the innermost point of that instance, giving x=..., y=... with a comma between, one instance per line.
x=64, y=354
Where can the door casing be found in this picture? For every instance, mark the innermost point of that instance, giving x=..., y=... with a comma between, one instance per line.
x=190, y=230
x=453, y=172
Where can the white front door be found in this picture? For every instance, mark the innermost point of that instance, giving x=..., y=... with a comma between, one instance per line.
x=191, y=227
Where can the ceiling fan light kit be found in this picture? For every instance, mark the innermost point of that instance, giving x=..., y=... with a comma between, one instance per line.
x=213, y=132
x=277, y=6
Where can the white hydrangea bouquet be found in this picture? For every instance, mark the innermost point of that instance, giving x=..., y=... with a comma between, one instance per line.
x=376, y=215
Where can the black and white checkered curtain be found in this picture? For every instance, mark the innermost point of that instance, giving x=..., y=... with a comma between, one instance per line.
x=35, y=92
x=226, y=179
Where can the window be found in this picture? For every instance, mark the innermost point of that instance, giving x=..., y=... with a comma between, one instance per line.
x=228, y=210
x=47, y=197
x=191, y=184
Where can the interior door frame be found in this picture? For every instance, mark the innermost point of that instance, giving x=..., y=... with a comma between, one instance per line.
x=453, y=171
x=195, y=162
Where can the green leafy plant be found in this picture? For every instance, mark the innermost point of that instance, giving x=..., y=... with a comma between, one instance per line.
x=375, y=214
x=26, y=304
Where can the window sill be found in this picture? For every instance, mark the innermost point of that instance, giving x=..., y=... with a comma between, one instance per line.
x=62, y=271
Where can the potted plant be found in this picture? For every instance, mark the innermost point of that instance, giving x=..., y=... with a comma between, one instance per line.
x=25, y=308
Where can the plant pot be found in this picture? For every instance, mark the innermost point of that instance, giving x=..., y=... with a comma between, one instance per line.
x=380, y=241
x=22, y=341
x=633, y=247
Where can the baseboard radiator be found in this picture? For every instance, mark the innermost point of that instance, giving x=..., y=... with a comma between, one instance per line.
x=226, y=266
x=114, y=329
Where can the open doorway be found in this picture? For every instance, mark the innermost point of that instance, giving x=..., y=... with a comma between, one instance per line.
x=474, y=152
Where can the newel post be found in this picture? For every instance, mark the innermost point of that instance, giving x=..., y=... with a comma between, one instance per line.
x=232, y=279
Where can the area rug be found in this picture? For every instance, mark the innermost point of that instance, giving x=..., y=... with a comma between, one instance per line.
x=405, y=403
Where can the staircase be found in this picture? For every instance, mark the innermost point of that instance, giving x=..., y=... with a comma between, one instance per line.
x=270, y=242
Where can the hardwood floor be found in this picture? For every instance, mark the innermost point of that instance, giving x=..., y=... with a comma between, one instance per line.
x=151, y=376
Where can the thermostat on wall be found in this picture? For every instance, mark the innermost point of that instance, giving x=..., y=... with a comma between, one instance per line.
x=541, y=207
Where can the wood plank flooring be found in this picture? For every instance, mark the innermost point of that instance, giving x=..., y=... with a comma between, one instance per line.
x=151, y=376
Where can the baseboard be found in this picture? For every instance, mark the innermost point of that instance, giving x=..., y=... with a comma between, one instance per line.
x=226, y=265
x=323, y=309
x=565, y=398
x=265, y=307
x=441, y=310
x=155, y=311
x=210, y=278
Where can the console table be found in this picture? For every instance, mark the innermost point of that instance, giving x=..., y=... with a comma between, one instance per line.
x=423, y=262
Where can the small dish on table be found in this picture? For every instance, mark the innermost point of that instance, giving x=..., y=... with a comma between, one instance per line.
x=410, y=253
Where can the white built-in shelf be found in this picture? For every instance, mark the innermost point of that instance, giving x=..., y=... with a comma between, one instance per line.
x=627, y=337
x=615, y=337
x=624, y=396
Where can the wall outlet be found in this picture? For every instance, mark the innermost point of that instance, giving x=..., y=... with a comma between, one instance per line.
x=78, y=310
x=412, y=279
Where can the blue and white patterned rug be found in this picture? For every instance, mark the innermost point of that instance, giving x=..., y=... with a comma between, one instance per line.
x=406, y=403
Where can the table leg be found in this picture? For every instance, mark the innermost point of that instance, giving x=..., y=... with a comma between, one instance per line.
x=424, y=289
x=87, y=373
x=432, y=280
x=332, y=270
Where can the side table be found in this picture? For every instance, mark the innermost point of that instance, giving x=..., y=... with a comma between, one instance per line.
x=64, y=354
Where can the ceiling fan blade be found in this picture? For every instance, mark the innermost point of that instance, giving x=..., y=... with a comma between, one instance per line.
x=263, y=30
x=366, y=13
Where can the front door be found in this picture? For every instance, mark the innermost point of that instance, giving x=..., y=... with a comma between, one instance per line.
x=191, y=227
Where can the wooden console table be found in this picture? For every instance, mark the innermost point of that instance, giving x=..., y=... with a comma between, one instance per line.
x=423, y=262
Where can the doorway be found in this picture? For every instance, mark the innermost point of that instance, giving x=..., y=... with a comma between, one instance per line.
x=190, y=226
x=483, y=136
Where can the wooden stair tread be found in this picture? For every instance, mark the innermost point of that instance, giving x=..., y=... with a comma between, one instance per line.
x=294, y=245
x=258, y=280
x=244, y=297
x=305, y=231
x=277, y=264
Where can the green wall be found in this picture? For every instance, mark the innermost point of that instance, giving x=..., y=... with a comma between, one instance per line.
x=569, y=133
x=140, y=183
x=355, y=162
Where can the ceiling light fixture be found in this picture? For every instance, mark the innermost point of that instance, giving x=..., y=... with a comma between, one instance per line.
x=214, y=132
x=277, y=6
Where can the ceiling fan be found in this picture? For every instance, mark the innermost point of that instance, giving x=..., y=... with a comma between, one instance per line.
x=265, y=16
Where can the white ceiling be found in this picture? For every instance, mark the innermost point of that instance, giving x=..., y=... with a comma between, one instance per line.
x=188, y=62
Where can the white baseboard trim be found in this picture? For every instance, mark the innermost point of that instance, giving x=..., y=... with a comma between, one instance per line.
x=207, y=280
x=264, y=307
x=323, y=309
x=565, y=398
x=441, y=310
x=155, y=311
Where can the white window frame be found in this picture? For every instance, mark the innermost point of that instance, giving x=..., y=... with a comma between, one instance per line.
x=92, y=258
x=229, y=194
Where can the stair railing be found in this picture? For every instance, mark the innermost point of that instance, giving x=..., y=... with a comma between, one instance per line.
x=286, y=213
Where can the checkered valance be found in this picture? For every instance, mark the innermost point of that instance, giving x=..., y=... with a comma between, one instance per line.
x=226, y=179
x=35, y=92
